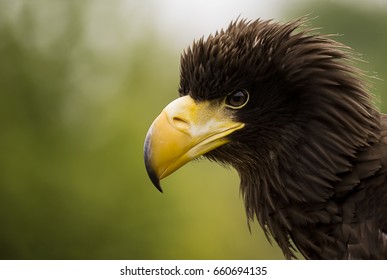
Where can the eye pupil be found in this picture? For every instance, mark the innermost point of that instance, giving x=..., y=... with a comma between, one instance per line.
x=237, y=99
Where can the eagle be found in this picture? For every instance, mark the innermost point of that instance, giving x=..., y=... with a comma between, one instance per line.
x=289, y=110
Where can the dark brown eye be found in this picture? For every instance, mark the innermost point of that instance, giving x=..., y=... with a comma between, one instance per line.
x=237, y=99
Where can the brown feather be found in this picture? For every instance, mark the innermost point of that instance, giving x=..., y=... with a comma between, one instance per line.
x=312, y=156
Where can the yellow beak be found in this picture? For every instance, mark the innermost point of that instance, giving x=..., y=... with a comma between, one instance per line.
x=185, y=129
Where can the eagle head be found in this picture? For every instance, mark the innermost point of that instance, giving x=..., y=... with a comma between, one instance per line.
x=286, y=108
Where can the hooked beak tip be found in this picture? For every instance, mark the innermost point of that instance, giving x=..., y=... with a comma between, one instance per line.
x=151, y=172
x=154, y=178
x=156, y=183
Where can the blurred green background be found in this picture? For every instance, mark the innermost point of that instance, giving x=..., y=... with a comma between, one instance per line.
x=80, y=83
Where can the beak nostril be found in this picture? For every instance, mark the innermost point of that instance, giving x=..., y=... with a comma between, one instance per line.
x=180, y=124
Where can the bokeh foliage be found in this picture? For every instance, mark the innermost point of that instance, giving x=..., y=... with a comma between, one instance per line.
x=79, y=87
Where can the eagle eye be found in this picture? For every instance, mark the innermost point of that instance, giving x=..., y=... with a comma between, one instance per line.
x=237, y=99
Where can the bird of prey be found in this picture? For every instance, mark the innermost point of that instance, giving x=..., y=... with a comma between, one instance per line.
x=289, y=110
